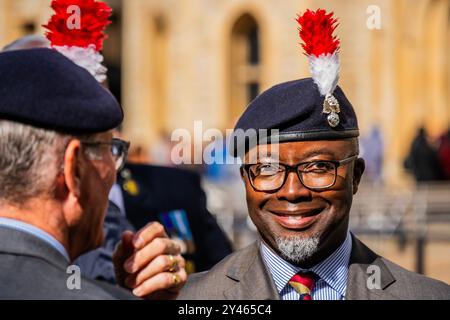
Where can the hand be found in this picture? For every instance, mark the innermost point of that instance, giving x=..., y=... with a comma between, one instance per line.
x=149, y=263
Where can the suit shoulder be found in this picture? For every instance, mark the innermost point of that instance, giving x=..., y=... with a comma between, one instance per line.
x=19, y=272
x=114, y=291
x=411, y=285
x=199, y=285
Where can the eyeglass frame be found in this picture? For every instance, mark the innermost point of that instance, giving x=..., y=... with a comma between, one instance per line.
x=289, y=169
x=124, y=144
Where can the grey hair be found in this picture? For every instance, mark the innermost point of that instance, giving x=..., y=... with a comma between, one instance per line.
x=30, y=160
x=28, y=42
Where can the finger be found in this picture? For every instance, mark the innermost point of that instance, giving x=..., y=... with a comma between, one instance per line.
x=162, y=263
x=170, y=293
x=123, y=250
x=127, y=239
x=147, y=234
x=141, y=258
x=166, y=281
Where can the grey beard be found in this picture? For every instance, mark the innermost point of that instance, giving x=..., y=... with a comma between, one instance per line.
x=297, y=249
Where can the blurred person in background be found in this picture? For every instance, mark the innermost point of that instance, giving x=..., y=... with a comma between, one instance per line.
x=160, y=151
x=422, y=160
x=175, y=198
x=372, y=151
x=444, y=154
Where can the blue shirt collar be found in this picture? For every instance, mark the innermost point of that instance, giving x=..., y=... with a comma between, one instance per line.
x=34, y=231
x=333, y=270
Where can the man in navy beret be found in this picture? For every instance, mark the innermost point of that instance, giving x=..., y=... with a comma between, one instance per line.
x=301, y=169
x=58, y=161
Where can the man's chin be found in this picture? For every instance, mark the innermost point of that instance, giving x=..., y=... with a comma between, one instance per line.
x=300, y=234
x=297, y=248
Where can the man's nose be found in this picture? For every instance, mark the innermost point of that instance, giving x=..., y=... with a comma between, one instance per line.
x=293, y=189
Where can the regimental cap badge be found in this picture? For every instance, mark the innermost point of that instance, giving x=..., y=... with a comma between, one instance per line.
x=321, y=47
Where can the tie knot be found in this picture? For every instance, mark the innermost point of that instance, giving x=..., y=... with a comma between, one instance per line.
x=303, y=283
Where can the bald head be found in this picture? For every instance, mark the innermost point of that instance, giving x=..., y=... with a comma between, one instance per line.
x=28, y=42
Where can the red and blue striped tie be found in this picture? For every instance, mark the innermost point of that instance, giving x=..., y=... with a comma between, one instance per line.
x=303, y=283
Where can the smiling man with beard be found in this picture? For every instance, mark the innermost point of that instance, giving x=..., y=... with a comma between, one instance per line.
x=300, y=181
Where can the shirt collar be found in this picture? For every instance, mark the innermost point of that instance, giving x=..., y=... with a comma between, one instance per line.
x=116, y=197
x=34, y=231
x=333, y=270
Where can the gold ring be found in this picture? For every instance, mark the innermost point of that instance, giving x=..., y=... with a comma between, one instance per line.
x=173, y=263
x=176, y=278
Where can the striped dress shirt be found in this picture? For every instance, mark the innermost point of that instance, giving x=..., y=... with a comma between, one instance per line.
x=332, y=273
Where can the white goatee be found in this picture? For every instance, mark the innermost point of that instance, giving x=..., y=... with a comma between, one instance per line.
x=297, y=249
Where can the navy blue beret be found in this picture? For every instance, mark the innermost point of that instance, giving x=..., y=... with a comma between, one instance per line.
x=295, y=109
x=43, y=88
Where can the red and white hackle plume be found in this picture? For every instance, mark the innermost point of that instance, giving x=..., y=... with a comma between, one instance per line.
x=80, y=43
x=321, y=47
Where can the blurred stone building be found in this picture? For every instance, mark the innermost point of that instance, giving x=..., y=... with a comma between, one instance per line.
x=176, y=61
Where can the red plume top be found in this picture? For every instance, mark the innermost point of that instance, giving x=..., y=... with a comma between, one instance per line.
x=316, y=31
x=93, y=19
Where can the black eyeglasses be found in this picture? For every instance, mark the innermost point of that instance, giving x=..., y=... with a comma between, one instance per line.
x=119, y=150
x=316, y=175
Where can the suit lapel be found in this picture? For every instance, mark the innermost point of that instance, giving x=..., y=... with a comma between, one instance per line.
x=253, y=281
x=364, y=266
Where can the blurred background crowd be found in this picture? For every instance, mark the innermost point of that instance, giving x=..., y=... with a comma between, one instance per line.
x=174, y=62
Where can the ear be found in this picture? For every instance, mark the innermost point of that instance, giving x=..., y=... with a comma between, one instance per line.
x=72, y=167
x=358, y=170
x=243, y=173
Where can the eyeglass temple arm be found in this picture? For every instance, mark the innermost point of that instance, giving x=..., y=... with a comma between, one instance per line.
x=350, y=159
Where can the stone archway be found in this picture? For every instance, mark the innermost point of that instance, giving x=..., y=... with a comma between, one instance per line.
x=244, y=64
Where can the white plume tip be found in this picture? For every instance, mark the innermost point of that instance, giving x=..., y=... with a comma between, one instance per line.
x=87, y=58
x=325, y=72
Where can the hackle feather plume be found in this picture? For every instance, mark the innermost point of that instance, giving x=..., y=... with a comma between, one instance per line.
x=321, y=46
x=81, y=43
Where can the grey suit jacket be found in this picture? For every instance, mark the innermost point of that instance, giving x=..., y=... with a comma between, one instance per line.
x=244, y=276
x=32, y=269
